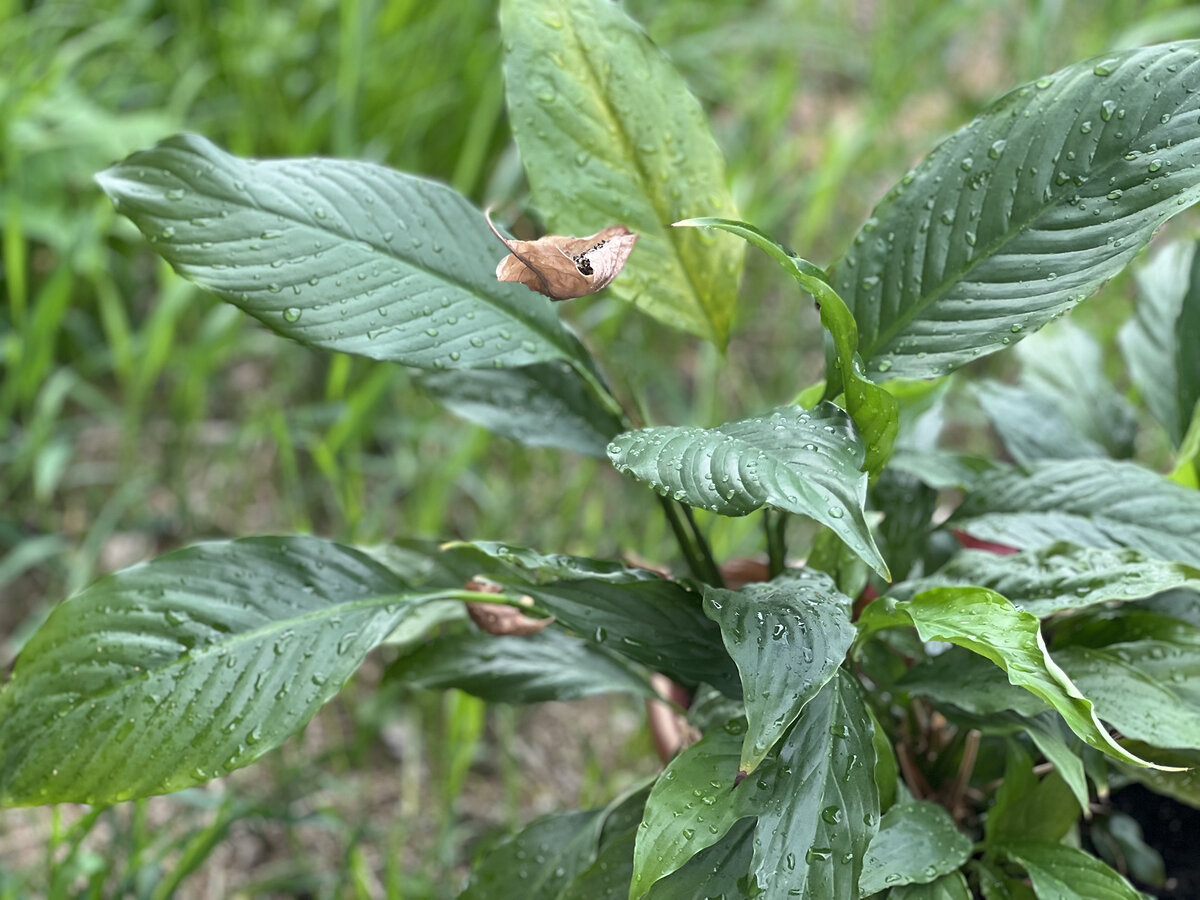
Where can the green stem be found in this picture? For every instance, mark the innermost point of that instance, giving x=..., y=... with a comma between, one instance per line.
x=685, y=540
x=714, y=576
x=775, y=526
x=607, y=400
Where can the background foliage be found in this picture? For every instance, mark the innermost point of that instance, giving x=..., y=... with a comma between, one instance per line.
x=137, y=414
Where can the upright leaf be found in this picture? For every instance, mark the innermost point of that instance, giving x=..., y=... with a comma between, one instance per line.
x=173, y=672
x=1093, y=503
x=1159, y=341
x=986, y=623
x=348, y=256
x=608, y=133
x=873, y=409
x=802, y=461
x=788, y=638
x=1021, y=214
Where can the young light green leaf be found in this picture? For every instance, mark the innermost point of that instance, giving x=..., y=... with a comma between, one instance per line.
x=1029, y=808
x=544, y=405
x=1093, y=503
x=1187, y=462
x=986, y=623
x=806, y=462
x=548, y=665
x=788, y=638
x=1059, y=576
x=916, y=843
x=348, y=256
x=608, y=133
x=1022, y=213
x=170, y=673
x=1069, y=873
x=873, y=409
x=1158, y=344
x=1146, y=705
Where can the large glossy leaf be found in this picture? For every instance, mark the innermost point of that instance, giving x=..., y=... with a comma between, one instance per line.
x=788, y=638
x=1146, y=705
x=986, y=623
x=608, y=132
x=1022, y=213
x=815, y=799
x=802, y=461
x=545, y=405
x=1059, y=576
x=1159, y=342
x=1093, y=503
x=170, y=673
x=1030, y=425
x=722, y=870
x=343, y=255
x=916, y=843
x=1069, y=873
x=548, y=665
x=873, y=409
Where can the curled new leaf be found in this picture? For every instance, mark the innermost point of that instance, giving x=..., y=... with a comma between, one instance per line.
x=563, y=267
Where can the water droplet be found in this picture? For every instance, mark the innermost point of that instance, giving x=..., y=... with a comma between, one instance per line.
x=1106, y=109
x=1105, y=68
x=997, y=148
x=291, y=314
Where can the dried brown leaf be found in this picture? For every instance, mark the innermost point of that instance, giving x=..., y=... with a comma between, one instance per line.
x=563, y=267
x=498, y=618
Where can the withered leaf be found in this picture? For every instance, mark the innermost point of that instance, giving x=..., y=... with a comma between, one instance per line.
x=563, y=267
x=498, y=618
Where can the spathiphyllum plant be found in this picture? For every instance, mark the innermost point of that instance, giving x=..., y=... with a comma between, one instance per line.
x=931, y=699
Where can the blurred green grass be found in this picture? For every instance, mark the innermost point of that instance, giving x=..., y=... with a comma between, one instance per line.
x=138, y=414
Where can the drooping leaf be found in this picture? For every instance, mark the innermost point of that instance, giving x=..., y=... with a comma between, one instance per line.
x=1059, y=576
x=348, y=256
x=1022, y=213
x=1065, y=364
x=1030, y=425
x=549, y=665
x=806, y=462
x=873, y=408
x=985, y=623
x=1057, y=870
x=788, y=638
x=544, y=405
x=1158, y=342
x=1146, y=705
x=173, y=672
x=1093, y=503
x=540, y=860
x=917, y=842
x=608, y=132
x=970, y=682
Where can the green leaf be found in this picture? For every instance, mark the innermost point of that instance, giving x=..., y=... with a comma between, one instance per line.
x=1021, y=214
x=608, y=877
x=347, y=256
x=806, y=462
x=1068, y=873
x=548, y=665
x=1030, y=425
x=540, y=860
x=942, y=470
x=173, y=672
x=788, y=638
x=1158, y=344
x=1187, y=462
x=815, y=799
x=545, y=405
x=873, y=409
x=996, y=884
x=952, y=886
x=722, y=870
x=608, y=133
x=1029, y=808
x=1093, y=503
x=1119, y=842
x=985, y=623
x=1065, y=364
x=1182, y=783
x=1145, y=705
x=916, y=843
x=1059, y=576
x=908, y=506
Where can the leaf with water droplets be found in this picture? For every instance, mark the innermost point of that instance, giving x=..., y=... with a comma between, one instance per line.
x=917, y=842
x=170, y=673
x=806, y=462
x=788, y=638
x=1069, y=873
x=348, y=256
x=608, y=132
x=1024, y=212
